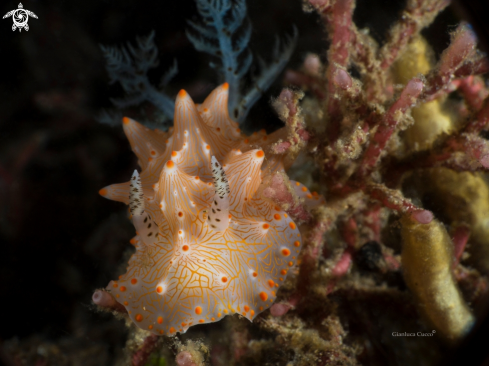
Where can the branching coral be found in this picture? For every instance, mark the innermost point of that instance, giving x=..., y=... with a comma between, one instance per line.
x=382, y=155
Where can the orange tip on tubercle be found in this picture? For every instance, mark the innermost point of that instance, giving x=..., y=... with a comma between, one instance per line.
x=225, y=86
x=103, y=192
x=126, y=120
x=182, y=93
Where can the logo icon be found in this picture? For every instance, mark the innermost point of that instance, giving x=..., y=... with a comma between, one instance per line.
x=20, y=17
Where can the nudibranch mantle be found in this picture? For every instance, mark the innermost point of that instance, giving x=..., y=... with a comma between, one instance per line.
x=189, y=268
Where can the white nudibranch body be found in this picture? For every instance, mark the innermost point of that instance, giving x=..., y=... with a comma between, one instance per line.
x=191, y=265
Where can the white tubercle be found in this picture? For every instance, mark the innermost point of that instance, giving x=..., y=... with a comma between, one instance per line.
x=218, y=212
x=146, y=228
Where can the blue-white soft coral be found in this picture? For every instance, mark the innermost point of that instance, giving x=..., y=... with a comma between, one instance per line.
x=225, y=33
x=129, y=66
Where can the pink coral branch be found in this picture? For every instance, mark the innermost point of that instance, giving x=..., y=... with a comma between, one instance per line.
x=417, y=15
x=466, y=152
x=310, y=255
x=481, y=122
x=461, y=47
x=478, y=66
x=279, y=192
x=460, y=237
x=280, y=309
x=343, y=265
x=407, y=99
x=392, y=199
x=371, y=220
x=338, y=55
x=349, y=232
x=474, y=91
x=311, y=252
x=105, y=300
x=140, y=357
x=287, y=107
x=305, y=81
x=185, y=358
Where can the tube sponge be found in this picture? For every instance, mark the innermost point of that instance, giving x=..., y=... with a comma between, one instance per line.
x=427, y=256
x=459, y=198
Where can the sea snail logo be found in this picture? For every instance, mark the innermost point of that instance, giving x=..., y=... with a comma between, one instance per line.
x=20, y=17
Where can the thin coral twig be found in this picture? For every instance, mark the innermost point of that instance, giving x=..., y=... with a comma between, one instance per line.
x=278, y=191
x=481, y=122
x=372, y=221
x=338, y=57
x=460, y=237
x=312, y=251
x=105, y=300
x=474, y=91
x=391, y=119
x=287, y=106
x=417, y=15
x=393, y=199
x=305, y=81
x=140, y=357
x=461, y=47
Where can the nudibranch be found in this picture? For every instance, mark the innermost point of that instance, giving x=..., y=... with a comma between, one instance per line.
x=207, y=243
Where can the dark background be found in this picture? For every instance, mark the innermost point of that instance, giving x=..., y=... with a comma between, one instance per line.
x=59, y=240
